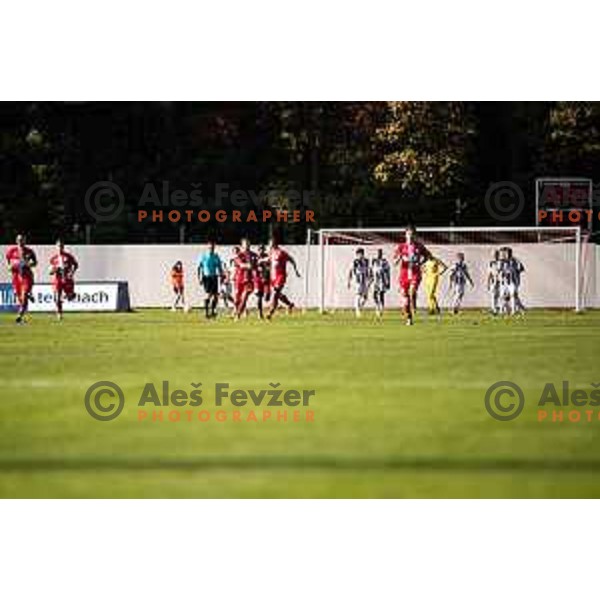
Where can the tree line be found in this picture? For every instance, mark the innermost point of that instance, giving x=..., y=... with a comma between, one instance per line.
x=360, y=163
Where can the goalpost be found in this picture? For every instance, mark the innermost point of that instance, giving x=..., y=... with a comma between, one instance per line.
x=552, y=256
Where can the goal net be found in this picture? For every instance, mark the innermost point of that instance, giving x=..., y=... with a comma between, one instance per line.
x=554, y=259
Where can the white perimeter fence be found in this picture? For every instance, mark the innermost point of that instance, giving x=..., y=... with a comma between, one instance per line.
x=549, y=280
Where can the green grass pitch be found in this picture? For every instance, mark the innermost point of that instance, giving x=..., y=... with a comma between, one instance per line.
x=399, y=411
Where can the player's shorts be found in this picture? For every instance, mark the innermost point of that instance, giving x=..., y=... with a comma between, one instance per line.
x=178, y=284
x=227, y=288
x=431, y=284
x=361, y=288
x=64, y=285
x=507, y=290
x=278, y=281
x=244, y=286
x=458, y=289
x=262, y=286
x=210, y=283
x=22, y=284
x=408, y=281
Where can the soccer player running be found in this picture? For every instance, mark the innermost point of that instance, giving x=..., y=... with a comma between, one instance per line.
x=177, y=282
x=381, y=274
x=459, y=275
x=262, y=282
x=493, y=282
x=410, y=255
x=517, y=269
x=505, y=283
x=509, y=275
x=62, y=270
x=360, y=274
x=228, y=279
x=21, y=261
x=210, y=271
x=433, y=269
x=279, y=261
x=246, y=265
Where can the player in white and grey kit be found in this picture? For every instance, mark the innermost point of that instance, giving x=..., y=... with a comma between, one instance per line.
x=507, y=286
x=226, y=291
x=510, y=273
x=493, y=282
x=360, y=274
x=381, y=274
x=459, y=275
x=517, y=269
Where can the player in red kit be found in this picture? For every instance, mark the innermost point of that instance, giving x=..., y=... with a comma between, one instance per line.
x=262, y=282
x=62, y=269
x=246, y=264
x=279, y=260
x=21, y=260
x=410, y=255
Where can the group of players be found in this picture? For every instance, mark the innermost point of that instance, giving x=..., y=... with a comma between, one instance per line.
x=262, y=273
x=504, y=281
x=21, y=261
x=416, y=262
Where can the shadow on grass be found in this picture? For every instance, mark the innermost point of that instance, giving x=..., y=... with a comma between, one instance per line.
x=321, y=462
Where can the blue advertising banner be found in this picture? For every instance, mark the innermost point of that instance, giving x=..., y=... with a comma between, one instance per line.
x=99, y=296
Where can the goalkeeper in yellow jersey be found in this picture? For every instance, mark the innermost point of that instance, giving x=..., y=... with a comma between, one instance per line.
x=433, y=269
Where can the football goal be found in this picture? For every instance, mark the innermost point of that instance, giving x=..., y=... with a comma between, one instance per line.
x=554, y=259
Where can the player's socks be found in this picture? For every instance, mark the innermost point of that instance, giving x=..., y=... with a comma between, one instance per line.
x=274, y=304
x=285, y=300
x=273, y=308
